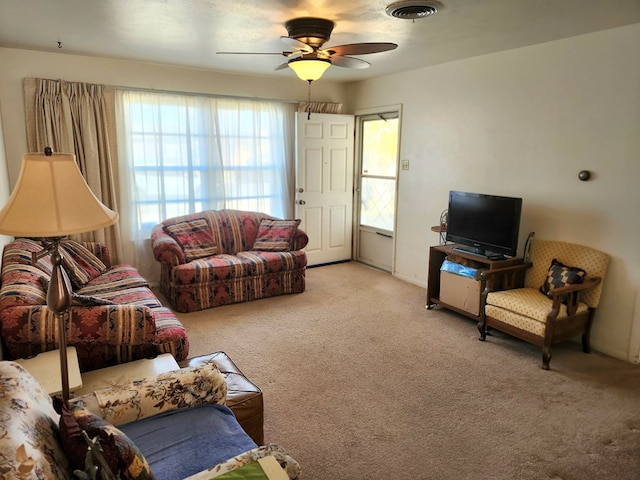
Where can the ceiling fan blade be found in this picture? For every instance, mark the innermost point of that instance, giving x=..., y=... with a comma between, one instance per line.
x=349, y=62
x=286, y=54
x=360, y=48
x=293, y=55
x=282, y=66
x=297, y=44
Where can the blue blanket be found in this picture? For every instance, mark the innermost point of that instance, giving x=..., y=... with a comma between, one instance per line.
x=184, y=442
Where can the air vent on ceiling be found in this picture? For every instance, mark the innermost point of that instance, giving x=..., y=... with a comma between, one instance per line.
x=413, y=9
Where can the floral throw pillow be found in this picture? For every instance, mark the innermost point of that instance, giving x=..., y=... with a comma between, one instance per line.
x=123, y=457
x=275, y=235
x=194, y=237
x=560, y=275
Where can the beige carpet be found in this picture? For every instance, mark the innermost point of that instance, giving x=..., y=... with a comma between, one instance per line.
x=362, y=382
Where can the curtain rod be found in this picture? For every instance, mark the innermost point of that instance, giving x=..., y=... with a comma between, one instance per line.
x=195, y=94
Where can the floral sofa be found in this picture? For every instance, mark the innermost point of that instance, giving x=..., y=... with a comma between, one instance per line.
x=217, y=257
x=167, y=427
x=114, y=317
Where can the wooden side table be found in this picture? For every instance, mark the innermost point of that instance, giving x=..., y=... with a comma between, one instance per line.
x=45, y=367
x=126, y=372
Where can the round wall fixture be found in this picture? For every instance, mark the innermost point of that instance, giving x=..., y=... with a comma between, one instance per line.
x=584, y=175
x=413, y=9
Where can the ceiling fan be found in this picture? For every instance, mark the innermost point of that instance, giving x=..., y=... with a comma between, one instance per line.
x=306, y=56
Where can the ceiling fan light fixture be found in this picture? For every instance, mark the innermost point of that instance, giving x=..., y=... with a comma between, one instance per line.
x=309, y=69
x=310, y=30
x=413, y=9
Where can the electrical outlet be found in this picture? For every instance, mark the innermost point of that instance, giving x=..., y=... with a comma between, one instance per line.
x=405, y=164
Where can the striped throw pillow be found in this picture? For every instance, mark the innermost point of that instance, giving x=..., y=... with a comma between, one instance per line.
x=80, y=264
x=194, y=237
x=275, y=235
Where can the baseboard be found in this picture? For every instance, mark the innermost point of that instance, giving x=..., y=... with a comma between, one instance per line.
x=414, y=281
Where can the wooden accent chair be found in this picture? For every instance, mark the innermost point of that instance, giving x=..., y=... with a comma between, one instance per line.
x=574, y=286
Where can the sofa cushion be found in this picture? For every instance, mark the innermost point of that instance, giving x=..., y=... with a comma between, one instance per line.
x=243, y=264
x=201, y=437
x=132, y=296
x=89, y=300
x=560, y=275
x=121, y=454
x=275, y=235
x=119, y=277
x=77, y=298
x=194, y=237
x=80, y=264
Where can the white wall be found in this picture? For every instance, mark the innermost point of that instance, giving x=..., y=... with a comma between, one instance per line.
x=524, y=123
x=17, y=64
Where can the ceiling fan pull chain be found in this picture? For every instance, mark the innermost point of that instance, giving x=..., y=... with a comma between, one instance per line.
x=309, y=101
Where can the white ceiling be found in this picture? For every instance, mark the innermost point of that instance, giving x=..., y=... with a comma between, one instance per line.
x=190, y=32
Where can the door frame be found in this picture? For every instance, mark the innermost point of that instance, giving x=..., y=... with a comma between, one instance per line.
x=357, y=169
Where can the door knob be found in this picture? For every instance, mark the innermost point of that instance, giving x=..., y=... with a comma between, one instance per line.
x=300, y=190
x=301, y=202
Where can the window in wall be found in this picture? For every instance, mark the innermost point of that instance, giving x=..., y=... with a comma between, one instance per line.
x=190, y=153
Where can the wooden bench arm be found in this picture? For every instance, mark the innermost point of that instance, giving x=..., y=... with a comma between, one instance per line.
x=571, y=294
x=486, y=274
x=576, y=287
x=504, y=278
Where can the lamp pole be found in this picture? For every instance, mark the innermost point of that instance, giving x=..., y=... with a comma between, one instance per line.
x=58, y=301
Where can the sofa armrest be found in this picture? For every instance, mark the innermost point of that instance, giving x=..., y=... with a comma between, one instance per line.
x=29, y=440
x=165, y=248
x=300, y=240
x=28, y=330
x=290, y=465
x=138, y=399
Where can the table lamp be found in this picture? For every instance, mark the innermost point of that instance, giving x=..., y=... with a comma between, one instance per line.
x=51, y=200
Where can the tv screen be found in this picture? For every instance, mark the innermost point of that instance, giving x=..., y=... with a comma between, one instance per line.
x=488, y=224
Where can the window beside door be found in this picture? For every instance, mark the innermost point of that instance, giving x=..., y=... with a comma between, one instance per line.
x=379, y=171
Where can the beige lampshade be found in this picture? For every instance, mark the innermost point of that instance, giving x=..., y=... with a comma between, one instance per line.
x=52, y=199
x=309, y=69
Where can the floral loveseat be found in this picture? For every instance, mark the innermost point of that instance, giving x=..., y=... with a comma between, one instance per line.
x=218, y=257
x=114, y=317
x=168, y=427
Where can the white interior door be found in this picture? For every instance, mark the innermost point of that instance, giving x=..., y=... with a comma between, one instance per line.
x=324, y=185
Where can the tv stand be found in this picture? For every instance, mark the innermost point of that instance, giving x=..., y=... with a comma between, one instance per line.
x=479, y=253
x=468, y=251
x=439, y=253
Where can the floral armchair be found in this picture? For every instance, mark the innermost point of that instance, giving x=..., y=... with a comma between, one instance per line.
x=34, y=437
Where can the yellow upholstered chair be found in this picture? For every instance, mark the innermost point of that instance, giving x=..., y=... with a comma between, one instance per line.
x=571, y=275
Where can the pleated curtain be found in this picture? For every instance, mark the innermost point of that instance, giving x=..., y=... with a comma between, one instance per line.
x=78, y=118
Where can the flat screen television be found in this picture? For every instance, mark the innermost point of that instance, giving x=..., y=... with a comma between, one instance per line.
x=487, y=225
